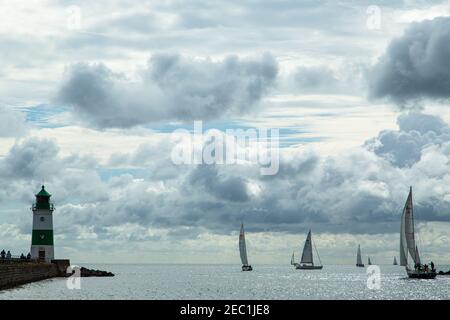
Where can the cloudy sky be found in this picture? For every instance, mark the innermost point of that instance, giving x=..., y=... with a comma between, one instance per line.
x=91, y=93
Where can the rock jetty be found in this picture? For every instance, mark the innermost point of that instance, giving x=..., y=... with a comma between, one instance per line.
x=94, y=273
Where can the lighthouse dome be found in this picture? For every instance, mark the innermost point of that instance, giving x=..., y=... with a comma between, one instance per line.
x=43, y=193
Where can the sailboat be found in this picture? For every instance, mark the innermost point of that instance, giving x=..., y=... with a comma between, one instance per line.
x=358, y=257
x=243, y=251
x=408, y=244
x=307, y=261
x=395, y=262
x=293, y=263
x=369, y=262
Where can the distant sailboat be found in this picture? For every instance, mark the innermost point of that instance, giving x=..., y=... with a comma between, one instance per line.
x=408, y=244
x=293, y=263
x=369, y=262
x=243, y=251
x=395, y=262
x=307, y=261
x=358, y=257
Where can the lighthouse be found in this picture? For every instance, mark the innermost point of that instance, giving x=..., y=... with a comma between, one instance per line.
x=42, y=235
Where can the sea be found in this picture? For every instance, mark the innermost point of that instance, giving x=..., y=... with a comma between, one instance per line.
x=151, y=281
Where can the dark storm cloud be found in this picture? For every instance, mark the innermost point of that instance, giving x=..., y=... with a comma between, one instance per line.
x=171, y=88
x=31, y=159
x=416, y=65
x=207, y=178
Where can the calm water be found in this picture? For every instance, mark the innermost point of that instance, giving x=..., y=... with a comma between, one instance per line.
x=228, y=282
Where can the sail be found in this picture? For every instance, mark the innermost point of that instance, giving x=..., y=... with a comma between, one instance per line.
x=395, y=261
x=307, y=256
x=292, y=258
x=242, y=246
x=403, y=245
x=358, y=256
x=368, y=261
x=403, y=251
x=417, y=255
x=407, y=241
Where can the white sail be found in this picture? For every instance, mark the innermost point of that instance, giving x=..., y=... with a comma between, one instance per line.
x=242, y=246
x=395, y=261
x=307, y=256
x=358, y=256
x=407, y=241
x=292, y=259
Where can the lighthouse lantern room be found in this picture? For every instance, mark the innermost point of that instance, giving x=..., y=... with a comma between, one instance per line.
x=42, y=235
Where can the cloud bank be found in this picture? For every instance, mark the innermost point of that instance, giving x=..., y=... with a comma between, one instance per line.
x=171, y=88
x=416, y=65
x=361, y=191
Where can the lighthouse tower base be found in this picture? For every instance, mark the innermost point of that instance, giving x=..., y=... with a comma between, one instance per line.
x=41, y=252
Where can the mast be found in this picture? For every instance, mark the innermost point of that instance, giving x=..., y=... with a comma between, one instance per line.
x=242, y=246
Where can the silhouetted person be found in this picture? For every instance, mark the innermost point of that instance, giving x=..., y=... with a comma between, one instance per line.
x=22, y=256
x=29, y=256
x=8, y=255
x=432, y=265
x=426, y=268
x=3, y=254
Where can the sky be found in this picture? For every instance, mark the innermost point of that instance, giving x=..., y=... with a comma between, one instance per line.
x=95, y=98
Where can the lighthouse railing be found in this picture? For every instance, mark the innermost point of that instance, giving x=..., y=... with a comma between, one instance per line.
x=44, y=206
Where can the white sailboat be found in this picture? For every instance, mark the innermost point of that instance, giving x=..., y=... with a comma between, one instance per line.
x=243, y=251
x=395, y=261
x=408, y=246
x=307, y=261
x=293, y=263
x=358, y=257
x=369, y=262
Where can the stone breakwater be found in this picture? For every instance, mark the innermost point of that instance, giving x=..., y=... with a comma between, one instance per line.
x=16, y=274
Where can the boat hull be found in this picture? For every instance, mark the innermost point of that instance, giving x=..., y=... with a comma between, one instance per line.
x=247, y=268
x=360, y=265
x=300, y=267
x=421, y=274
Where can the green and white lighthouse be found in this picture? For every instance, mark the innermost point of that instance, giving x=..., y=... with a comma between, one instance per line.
x=42, y=236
